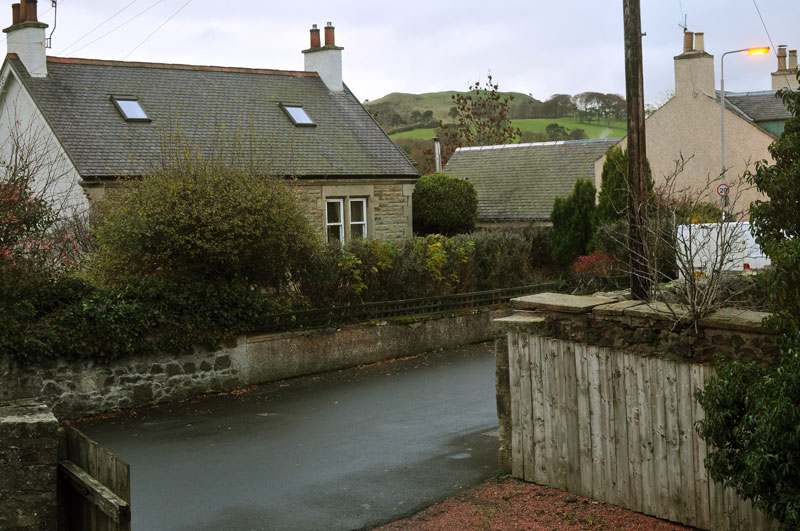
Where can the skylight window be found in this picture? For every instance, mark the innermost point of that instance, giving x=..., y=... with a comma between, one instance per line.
x=130, y=109
x=298, y=115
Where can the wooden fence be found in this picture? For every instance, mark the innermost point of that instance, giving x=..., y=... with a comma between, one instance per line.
x=94, y=488
x=618, y=428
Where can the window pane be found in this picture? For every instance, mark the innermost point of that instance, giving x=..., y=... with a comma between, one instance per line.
x=131, y=110
x=298, y=115
x=334, y=233
x=356, y=232
x=334, y=212
x=357, y=211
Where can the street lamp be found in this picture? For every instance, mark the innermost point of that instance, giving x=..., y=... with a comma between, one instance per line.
x=752, y=51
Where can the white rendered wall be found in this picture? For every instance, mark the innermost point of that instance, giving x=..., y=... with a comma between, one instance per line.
x=58, y=180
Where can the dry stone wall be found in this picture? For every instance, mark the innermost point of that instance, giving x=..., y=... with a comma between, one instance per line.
x=78, y=388
x=28, y=466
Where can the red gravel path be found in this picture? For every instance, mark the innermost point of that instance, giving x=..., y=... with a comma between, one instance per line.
x=510, y=504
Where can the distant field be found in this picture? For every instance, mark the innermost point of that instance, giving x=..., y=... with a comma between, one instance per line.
x=538, y=125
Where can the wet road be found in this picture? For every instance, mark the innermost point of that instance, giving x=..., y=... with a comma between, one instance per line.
x=344, y=450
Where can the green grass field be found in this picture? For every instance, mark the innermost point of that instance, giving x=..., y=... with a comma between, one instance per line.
x=538, y=125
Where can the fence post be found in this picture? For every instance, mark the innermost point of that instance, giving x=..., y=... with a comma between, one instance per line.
x=503, y=387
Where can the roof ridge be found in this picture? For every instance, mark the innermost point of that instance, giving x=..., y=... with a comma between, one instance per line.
x=175, y=66
x=749, y=93
x=532, y=144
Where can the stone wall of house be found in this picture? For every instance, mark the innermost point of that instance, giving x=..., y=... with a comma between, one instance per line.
x=388, y=203
x=393, y=211
x=78, y=388
x=28, y=466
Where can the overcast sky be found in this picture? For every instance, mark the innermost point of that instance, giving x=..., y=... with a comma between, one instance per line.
x=537, y=47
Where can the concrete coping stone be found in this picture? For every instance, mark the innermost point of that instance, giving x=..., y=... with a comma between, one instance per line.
x=521, y=317
x=658, y=310
x=26, y=411
x=557, y=302
x=615, y=309
x=735, y=319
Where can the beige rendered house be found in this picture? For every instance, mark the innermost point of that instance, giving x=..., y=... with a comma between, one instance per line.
x=104, y=120
x=688, y=126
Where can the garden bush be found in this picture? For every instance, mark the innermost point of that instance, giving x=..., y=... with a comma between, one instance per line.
x=203, y=222
x=444, y=204
x=573, y=220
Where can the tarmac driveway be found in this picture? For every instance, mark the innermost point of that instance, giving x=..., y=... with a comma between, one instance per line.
x=343, y=450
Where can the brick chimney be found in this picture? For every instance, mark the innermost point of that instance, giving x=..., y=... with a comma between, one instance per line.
x=26, y=37
x=694, y=68
x=785, y=76
x=325, y=60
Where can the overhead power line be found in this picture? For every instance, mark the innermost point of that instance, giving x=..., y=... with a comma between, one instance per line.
x=139, y=14
x=67, y=48
x=158, y=28
x=769, y=37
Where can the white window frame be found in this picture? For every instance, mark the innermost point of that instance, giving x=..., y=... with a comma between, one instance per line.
x=340, y=205
x=346, y=223
x=363, y=201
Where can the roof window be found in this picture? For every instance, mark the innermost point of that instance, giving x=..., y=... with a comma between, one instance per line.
x=130, y=108
x=298, y=115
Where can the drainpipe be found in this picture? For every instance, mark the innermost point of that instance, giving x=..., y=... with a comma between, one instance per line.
x=437, y=154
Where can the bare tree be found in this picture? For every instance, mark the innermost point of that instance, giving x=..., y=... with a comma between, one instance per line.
x=686, y=236
x=41, y=192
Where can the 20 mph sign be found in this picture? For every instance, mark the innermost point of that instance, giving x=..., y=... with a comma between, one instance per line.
x=723, y=190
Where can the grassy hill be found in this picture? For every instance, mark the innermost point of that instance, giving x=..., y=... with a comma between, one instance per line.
x=537, y=125
x=438, y=102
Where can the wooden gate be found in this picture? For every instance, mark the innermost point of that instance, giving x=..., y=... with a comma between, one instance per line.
x=94, y=486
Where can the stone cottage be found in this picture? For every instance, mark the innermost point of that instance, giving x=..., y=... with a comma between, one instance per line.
x=103, y=120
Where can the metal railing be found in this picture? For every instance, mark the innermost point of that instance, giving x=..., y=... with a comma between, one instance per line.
x=374, y=311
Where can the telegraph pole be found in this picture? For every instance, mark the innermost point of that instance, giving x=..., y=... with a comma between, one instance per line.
x=637, y=156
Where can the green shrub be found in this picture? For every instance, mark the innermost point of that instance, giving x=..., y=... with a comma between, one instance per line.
x=753, y=424
x=573, y=220
x=203, y=223
x=443, y=204
x=204, y=249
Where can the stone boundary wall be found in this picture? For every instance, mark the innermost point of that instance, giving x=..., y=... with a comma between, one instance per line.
x=595, y=396
x=28, y=466
x=74, y=389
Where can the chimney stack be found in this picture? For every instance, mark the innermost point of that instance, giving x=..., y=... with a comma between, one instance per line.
x=688, y=41
x=26, y=37
x=315, y=43
x=785, y=77
x=699, y=42
x=329, y=37
x=325, y=60
x=781, y=57
x=694, y=68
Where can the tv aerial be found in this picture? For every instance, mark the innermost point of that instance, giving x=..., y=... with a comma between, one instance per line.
x=48, y=42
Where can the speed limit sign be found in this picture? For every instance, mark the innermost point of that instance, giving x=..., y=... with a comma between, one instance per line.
x=723, y=190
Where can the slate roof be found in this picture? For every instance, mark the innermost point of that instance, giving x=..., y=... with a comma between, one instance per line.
x=757, y=106
x=234, y=111
x=519, y=182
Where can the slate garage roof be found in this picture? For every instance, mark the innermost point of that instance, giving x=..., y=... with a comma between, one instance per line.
x=209, y=106
x=519, y=182
x=758, y=106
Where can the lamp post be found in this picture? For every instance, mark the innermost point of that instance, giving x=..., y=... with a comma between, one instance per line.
x=752, y=51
